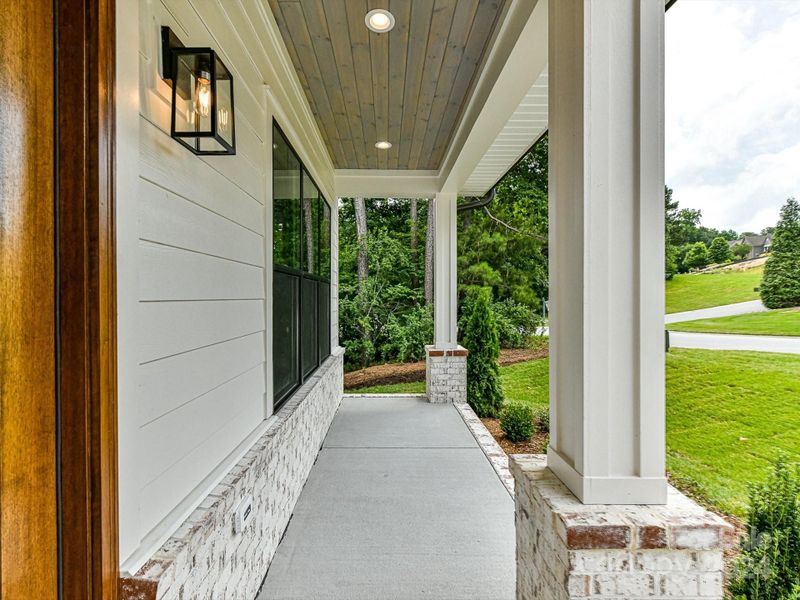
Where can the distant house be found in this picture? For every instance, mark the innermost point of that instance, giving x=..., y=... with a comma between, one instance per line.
x=759, y=244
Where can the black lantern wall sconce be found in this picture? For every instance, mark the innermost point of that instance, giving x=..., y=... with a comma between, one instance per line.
x=202, y=97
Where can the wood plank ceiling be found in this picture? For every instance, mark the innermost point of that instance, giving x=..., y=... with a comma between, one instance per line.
x=408, y=86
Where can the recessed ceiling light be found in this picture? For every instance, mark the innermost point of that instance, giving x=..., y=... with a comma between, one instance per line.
x=383, y=145
x=379, y=20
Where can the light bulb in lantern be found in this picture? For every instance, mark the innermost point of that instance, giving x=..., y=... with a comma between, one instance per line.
x=202, y=100
x=222, y=119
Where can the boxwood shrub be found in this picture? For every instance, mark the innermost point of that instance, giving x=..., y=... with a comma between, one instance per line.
x=516, y=421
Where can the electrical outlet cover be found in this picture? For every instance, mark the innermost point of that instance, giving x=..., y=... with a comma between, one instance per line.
x=244, y=514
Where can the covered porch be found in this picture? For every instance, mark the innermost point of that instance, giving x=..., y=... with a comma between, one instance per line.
x=402, y=502
x=438, y=105
x=172, y=248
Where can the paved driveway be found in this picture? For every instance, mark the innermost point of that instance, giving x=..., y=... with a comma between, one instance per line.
x=727, y=341
x=401, y=503
x=728, y=310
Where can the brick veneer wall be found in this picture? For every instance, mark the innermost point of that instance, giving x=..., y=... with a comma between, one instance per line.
x=570, y=551
x=205, y=558
x=446, y=374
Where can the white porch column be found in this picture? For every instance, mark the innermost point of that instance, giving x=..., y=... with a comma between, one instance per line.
x=446, y=361
x=445, y=279
x=606, y=249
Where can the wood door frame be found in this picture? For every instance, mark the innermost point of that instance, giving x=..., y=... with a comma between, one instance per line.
x=58, y=416
x=86, y=280
x=28, y=407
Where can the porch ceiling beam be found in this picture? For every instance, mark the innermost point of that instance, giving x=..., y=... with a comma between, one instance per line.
x=376, y=183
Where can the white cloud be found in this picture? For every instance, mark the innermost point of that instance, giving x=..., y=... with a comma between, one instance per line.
x=733, y=108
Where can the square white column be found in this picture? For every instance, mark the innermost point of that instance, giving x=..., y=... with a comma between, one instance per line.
x=607, y=249
x=445, y=275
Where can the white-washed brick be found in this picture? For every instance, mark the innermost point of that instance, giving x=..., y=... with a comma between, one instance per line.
x=445, y=376
x=560, y=552
x=205, y=558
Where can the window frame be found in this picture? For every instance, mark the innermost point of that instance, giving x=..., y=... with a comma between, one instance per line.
x=301, y=274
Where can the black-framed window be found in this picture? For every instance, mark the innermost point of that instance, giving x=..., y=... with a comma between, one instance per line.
x=301, y=271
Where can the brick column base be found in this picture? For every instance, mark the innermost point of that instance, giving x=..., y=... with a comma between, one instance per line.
x=569, y=551
x=446, y=374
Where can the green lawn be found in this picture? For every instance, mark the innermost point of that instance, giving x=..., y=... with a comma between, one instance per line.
x=775, y=322
x=728, y=414
x=692, y=292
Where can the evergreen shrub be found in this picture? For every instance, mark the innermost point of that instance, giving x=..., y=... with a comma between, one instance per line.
x=484, y=393
x=516, y=421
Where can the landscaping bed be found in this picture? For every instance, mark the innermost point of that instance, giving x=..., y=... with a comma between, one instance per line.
x=537, y=444
x=404, y=373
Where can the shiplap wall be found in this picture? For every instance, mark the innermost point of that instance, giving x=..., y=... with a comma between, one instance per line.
x=201, y=270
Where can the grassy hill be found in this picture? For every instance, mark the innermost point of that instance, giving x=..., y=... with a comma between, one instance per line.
x=704, y=290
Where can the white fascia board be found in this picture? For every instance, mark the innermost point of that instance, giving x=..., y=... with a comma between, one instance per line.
x=525, y=62
x=378, y=183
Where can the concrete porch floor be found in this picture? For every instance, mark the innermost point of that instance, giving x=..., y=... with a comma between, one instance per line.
x=401, y=503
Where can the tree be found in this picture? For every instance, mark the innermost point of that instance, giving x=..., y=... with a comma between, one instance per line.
x=429, y=233
x=720, y=251
x=780, y=286
x=484, y=393
x=697, y=256
x=740, y=251
x=361, y=240
x=670, y=262
x=503, y=246
x=682, y=230
x=384, y=318
x=414, y=238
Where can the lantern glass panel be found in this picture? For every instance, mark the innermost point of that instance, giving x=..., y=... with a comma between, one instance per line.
x=202, y=102
x=224, y=103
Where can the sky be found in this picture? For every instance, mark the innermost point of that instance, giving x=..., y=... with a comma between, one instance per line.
x=733, y=109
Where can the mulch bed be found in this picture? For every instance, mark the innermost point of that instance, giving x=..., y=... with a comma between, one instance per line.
x=537, y=444
x=413, y=372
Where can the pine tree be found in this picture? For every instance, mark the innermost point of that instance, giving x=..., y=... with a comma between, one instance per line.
x=484, y=393
x=780, y=287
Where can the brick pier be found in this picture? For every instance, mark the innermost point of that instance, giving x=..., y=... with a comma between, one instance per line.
x=570, y=551
x=446, y=374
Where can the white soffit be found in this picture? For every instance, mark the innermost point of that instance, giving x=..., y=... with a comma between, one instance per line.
x=523, y=128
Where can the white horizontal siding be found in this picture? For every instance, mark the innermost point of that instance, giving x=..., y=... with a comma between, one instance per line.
x=170, y=383
x=169, y=219
x=169, y=273
x=179, y=481
x=200, y=321
x=170, y=328
x=170, y=438
x=196, y=258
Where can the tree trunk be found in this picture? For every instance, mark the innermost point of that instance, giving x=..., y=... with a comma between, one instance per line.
x=309, y=227
x=413, y=233
x=361, y=236
x=429, y=254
